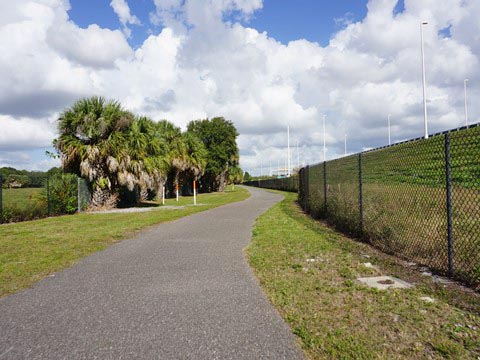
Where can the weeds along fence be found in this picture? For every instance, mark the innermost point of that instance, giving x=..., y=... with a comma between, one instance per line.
x=61, y=194
x=419, y=200
x=283, y=184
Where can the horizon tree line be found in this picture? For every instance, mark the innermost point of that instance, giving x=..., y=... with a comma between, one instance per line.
x=121, y=154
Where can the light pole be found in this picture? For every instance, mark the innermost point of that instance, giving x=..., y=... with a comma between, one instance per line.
x=466, y=110
x=389, y=132
x=425, y=117
x=324, y=140
x=298, y=157
x=345, y=144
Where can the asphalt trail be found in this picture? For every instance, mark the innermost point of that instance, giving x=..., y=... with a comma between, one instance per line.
x=180, y=290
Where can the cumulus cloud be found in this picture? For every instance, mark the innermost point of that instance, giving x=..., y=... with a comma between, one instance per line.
x=93, y=46
x=122, y=10
x=25, y=133
x=205, y=14
x=201, y=65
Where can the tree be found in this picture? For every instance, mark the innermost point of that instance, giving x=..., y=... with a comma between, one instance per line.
x=127, y=157
x=186, y=154
x=196, y=155
x=235, y=175
x=147, y=151
x=17, y=181
x=247, y=176
x=175, y=149
x=91, y=141
x=219, y=137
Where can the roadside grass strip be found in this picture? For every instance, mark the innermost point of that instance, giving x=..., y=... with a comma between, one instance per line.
x=310, y=273
x=31, y=250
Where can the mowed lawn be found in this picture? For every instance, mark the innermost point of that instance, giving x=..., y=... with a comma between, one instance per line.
x=32, y=250
x=310, y=274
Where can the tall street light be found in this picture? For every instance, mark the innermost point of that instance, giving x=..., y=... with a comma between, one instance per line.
x=389, y=133
x=288, y=151
x=298, y=157
x=425, y=119
x=466, y=110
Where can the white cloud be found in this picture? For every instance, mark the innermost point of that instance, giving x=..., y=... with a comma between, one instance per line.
x=25, y=133
x=122, y=10
x=204, y=14
x=93, y=46
x=199, y=65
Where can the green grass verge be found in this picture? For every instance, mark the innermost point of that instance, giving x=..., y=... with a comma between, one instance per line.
x=32, y=250
x=334, y=316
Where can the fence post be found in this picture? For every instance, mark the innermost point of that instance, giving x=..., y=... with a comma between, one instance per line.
x=449, y=205
x=307, y=189
x=1, y=198
x=48, y=197
x=304, y=187
x=360, y=190
x=79, y=204
x=325, y=187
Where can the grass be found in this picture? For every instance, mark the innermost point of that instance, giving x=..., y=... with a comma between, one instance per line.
x=32, y=250
x=407, y=220
x=23, y=204
x=404, y=201
x=21, y=198
x=334, y=316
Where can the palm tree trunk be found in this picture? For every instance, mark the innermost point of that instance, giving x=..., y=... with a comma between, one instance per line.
x=143, y=195
x=221, y=184
x=104, y=198
x=177, y=188
x=159, y=190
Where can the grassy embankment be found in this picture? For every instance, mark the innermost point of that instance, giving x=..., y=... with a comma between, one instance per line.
x=31, y=250
x=334, y=316
x=404, y=200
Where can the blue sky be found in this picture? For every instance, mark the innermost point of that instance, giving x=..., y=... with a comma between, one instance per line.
x=284, y=20
x=287, y=20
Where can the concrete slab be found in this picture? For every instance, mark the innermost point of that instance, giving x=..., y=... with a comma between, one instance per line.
x=427, y=299
x=370, y=266
x=384, y=282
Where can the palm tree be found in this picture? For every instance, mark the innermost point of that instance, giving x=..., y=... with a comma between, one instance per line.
x=196, y=155
x=147, y=151
x=91, y=134
x=170, y=140
x=235, y=175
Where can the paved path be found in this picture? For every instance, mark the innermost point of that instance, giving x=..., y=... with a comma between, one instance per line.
x=181, y=290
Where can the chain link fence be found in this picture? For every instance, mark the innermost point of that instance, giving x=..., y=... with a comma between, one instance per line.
x=84, y=194
x=419, y=200
x=61, y=194
x=283, y=184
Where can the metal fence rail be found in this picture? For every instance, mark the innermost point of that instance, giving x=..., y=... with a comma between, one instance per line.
x=419, y=200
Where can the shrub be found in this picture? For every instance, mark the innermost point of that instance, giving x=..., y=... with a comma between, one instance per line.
x=63, y=194
x=14, y=213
